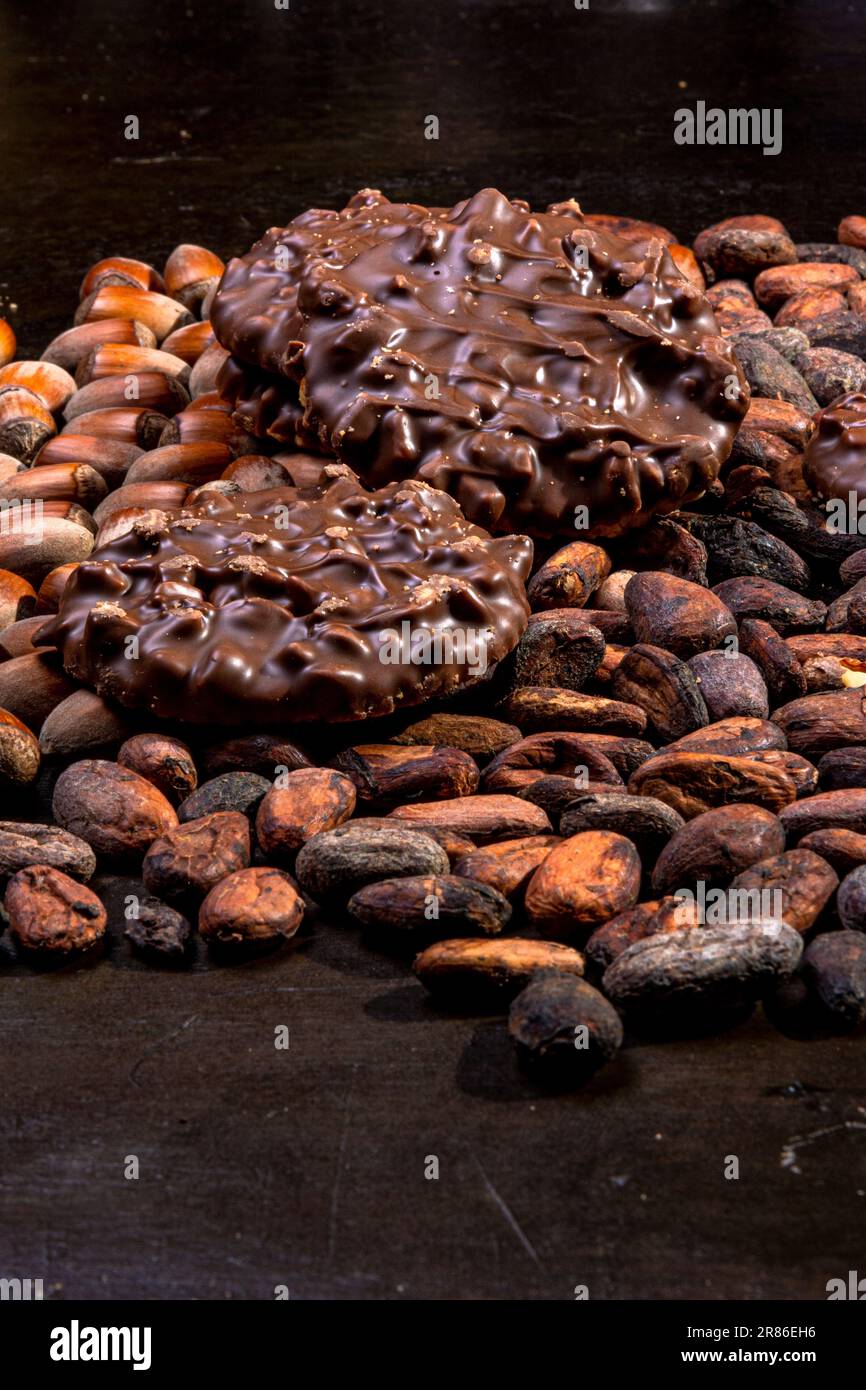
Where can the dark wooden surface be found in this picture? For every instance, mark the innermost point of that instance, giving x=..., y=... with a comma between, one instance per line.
x=306, y=1167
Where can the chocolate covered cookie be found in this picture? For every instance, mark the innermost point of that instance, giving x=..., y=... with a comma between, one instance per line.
x=834, y=463
x=548, y=374
x=294, y=604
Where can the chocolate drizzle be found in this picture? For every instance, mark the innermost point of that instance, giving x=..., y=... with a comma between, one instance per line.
x=275, y=607
x=527, y=363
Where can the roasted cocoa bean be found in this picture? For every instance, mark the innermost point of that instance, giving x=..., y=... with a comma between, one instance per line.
x=648, y=823
x=252, y=908
x=189, y=859
x=731, y=685
x=744, y=246
x=19, y=752
x=583, y=882
x=266, y=754
x=540, y=755
x=664, y=687
x=542, y=708
x=669, y=612
x=835, y=967
x=569, y=577
x=474, y=734
x=796, y=885
x=443, y=907
x=787, y=611
x=306, y=802
x=563, y=1030
x=507, y=866
x=229, y=791
x=737, y=735
x=388, y=774
x=840, y=810
x=842, y=767
x=498, y=968
x=636, y=923
x=164, y=761
x=51, y=914
x=782, y=672
x=117, y=812
x=334, y=865
x=480, y=818
x=830, y=373
x=555, y=794
x=802, y=773
x=696, y=782
x=769, y=373
x=851, y=900
x=843, y=849
x=554, y=651
x=31, y=687
x=817, y=723
x=22, y=845
x=716, y=846
x=737, y=548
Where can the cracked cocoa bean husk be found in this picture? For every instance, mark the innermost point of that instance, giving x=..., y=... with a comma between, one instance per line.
x=336, y=863
x=490, y=969
x=387, y=775
x=441, y=906
x=51, y=915
x=665, y=687
x=715, y=846
x=569, y=577
x=563, y=1030
x=584, y=881
x=159, y=934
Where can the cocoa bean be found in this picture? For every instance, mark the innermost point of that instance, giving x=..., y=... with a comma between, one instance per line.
x=22, y=845
x=852, y=231
x=566, y=755
x=802, y=308
x=445, y=906
x=802, y=773
x=636, y=923
x=19, y=752
x=164, y=761
x=82, y=725
x=31, y=552
x=563, y=1030
x=555, y=794
x=648, y=823
x=716, y=846
x=851, y=900
x=744, y=246
x=794, y=426
x=731, y=685
x=696, y=782
x=749, y=596
x=782, y=672
x=780, y=464
x=506, y=866
x=387, y=774
x=853, y=567
x=335, y=864
x=158, y=933
x=117, y=812
x=835, y=252
x=803, y=881
x=830, y=373
x=474, y=734
x=479, y=818
x=840, y=810
x=625, y=753
x=806, y=531
x=610, y=596
x=604, y=674
x=306, y=802
x=664, y=686
x=486, y=968
x=31, y=686
x=835, y=967
x=846, y=646
x=669, y=612
x=664, y=546
x=583, y=882
x=778, y=283
x=844, y=330
x=843, y=849
x=769, y=373
x=543, y=708
x=251, y=908
x=611, y=623
x=788, y=342
x=842, y=767
x=816, y=723
x=737, y=548
x=687, y=971
x=267, y=754
x=738, y=735
x=554, y=651
x=51, y=913
x=454, y=844
x=736, y=308
x=189, y=859
x=569, y=577
x=229, y=791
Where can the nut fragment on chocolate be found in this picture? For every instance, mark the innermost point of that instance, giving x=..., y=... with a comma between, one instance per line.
x=327, y=603
x=530, y=364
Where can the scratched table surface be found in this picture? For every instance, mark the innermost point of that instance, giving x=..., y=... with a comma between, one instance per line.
x=309, y=1166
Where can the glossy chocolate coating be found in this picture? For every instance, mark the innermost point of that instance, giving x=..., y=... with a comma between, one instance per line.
x=527, y=363
x=272, y=607
x=834, y=463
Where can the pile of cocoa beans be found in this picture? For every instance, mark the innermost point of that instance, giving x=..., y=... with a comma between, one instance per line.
x=683, y=722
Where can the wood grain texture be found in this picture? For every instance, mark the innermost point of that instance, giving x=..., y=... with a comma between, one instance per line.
x=306, y=1167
